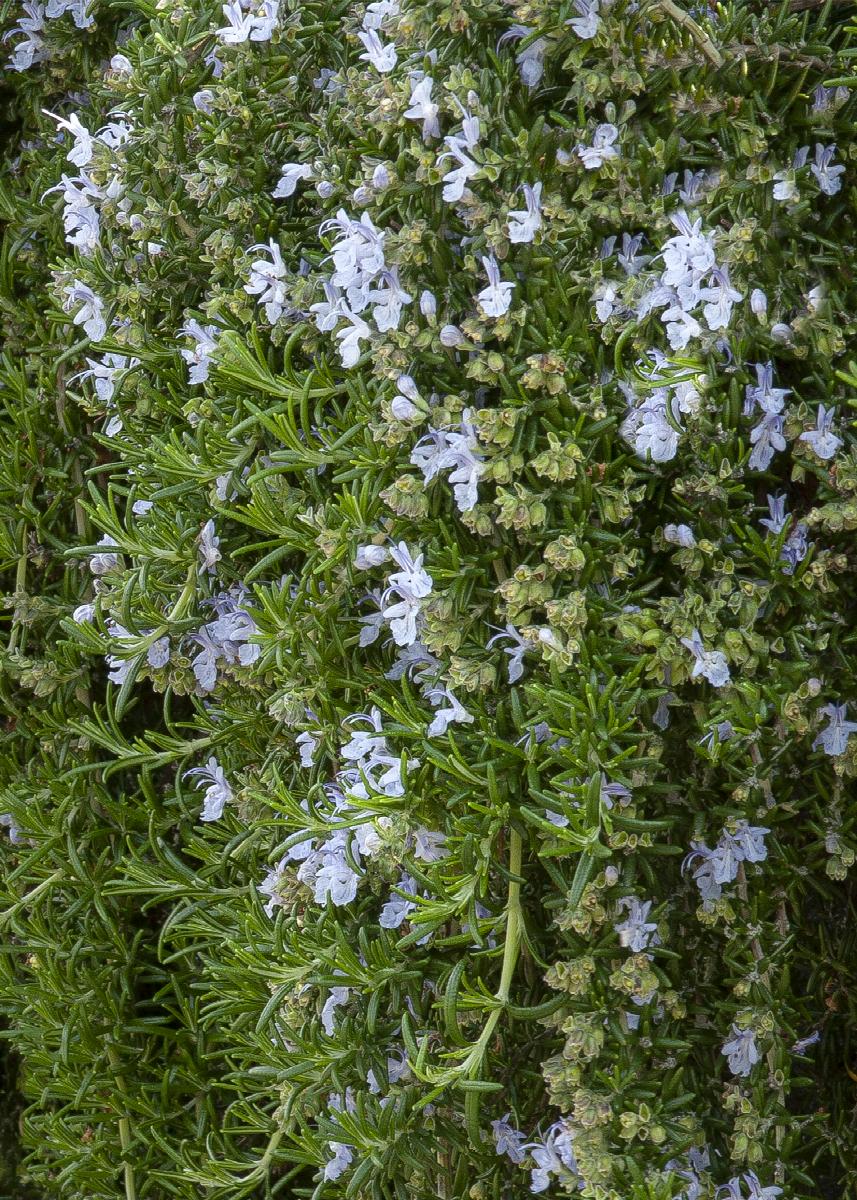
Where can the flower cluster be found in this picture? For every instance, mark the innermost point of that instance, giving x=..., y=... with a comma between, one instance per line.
x=429, y=488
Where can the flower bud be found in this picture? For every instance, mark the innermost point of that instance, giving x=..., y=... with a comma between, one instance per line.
x=402, y=409
x=370, y=556
x=759, y=303
x=407, y=387
x=451, y=335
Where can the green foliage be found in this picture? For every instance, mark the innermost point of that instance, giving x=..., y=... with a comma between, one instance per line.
x=196, y=1011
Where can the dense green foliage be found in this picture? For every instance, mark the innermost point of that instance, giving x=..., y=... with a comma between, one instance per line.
x=441, y=913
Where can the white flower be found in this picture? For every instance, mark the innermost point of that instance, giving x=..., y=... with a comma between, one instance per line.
x=382, y=57
x=778, y=518
x=238, y=24
x=749, y=840
x=388, y=301
x=199, y=358
x=422, y=107
x=523, y=223
x=628, y=257
x=456, y=179
x=104, y=373
x=377, y=12
x=822, y=439
x=329, y=873
x=428, y=304
x=115, y=133
x=82, y=150
x=270, y=886
x=710, y=664
x=80, y=215
x=267, y=280
x=307, y=744
x=602, y=148
x=121, y=64
x=681, y=327
x=336, y=998
x=290, y=175
x=90, y=314
x=720, y=299
x=457, y=453
x=530, y=61
x=554, y=1155
x=83, y=612
x=494, y=300
x=265, y=21
x=224, y=640
x=454, y=713
x=404, y=409
x=785, y=186
x=689, y=256
x=408, y=587
x=218, y=792
x=158, y=654
x=79, y=10
x=351, y=336
x=328, y=312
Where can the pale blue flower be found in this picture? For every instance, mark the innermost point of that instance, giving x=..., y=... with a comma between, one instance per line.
x=822, y=439
x=834, y=738
x=508, y=1140
x=826, y=175
x=741, y=1051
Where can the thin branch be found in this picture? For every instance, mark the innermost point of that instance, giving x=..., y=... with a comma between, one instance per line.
x=698, y=34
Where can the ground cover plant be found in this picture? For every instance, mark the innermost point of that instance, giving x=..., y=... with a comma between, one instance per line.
x=428, y=492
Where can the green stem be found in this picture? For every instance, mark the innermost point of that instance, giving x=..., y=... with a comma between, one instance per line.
x=511, y=950
x=20, y=585
x=31, y=896
x=124, y=1129
x=188, y=592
